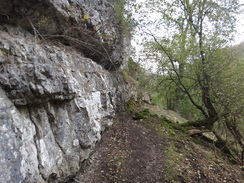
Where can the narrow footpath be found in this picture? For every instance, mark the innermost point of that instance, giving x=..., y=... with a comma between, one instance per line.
x=149, y=151
x=129, y=152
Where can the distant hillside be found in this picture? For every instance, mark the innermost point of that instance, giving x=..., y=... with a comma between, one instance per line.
x=238, y=50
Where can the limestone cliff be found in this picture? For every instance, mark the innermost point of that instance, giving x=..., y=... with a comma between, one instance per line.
x=59, y=86
x=89, y=26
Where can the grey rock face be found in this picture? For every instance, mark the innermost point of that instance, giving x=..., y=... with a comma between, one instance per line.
x=55, y=101
x=17, y=144
x=89, y=26
x=54, y=105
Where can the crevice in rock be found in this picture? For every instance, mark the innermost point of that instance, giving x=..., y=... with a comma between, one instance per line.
x=60, y=147
x=51, y=120
x=36, y=138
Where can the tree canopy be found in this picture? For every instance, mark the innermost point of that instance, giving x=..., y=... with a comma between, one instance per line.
x=190, y=39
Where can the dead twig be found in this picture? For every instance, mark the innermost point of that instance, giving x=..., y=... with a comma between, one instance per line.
x=4, y=14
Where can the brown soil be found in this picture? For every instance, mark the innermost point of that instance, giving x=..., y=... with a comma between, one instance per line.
x=146, y=152
x=128, y=152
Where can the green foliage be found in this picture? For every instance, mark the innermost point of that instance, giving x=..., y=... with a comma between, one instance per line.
x=144, y=80
x=186, y=53
x=128, y=79
x=200, y=73
x=134, y=68
x=144, y=114
x=159, y=99
x=132, y=105
x=167, y=96
x=124, y=17
x=170, y=126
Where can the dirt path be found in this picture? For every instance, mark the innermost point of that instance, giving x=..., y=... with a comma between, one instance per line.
x=147, y=152
x=129, y=152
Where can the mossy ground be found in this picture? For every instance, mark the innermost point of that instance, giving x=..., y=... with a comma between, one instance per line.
x=190, y=159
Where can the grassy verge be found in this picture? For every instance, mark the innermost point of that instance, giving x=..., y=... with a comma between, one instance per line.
x=189, y=159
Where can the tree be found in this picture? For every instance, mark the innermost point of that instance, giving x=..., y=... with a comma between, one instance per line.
x=194, y=55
